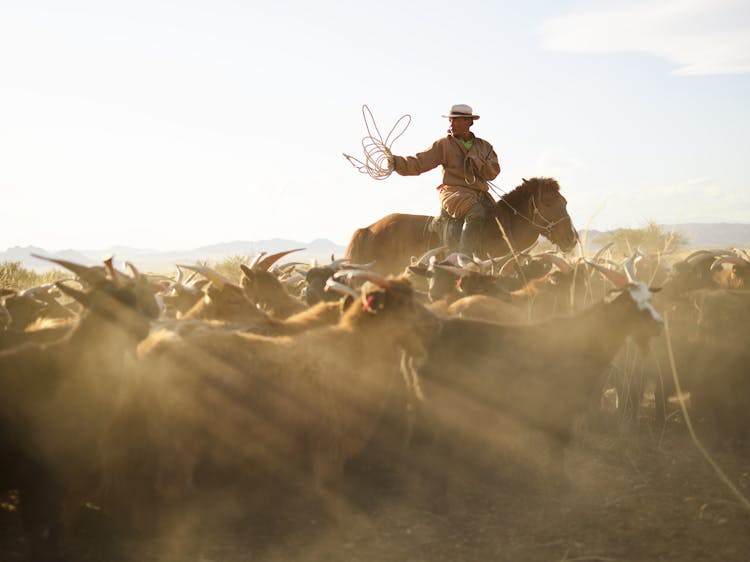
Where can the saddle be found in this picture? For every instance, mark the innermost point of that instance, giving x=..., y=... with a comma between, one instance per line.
x=449, y=229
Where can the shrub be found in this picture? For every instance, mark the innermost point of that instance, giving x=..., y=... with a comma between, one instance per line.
x=650, y=239
x=14, y=276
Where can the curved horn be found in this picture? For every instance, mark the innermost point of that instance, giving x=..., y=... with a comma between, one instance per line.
x=255, y=260
x=118, y=277
x=459, y=271
x=180, y=275
x=601, y=250
x=212, y=275
x=501, y=271
x=133, y=270
x=707, y=253
x=616, y=278
x=497, y=260
x=268, y=261
x=362, y=274
x=459, y=259
x=561, y=263
x=729, y=259
x=91, y=275
x=425, y=258
x=491, y=263
x=113, y=273
x=339, y=263
x=332, y=285
x=33, y=291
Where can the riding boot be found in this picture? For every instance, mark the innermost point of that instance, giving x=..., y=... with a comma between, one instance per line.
x=450, y=230
x=471, y=236
x=453, y=233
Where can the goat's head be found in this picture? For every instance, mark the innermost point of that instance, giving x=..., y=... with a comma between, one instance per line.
x=113, y=300
x=222, y=299
x=115, y=307
x=634, y=309
x=390, y=304
x=260, y=286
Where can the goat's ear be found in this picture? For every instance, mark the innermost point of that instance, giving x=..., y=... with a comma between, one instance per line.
x=248, y=272
x=655, y=289
x=6, y=292
x=75, y=294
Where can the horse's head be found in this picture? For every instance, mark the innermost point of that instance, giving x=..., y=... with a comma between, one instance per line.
x=549, y=213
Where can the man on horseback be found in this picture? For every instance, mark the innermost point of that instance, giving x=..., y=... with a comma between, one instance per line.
x=468, y=164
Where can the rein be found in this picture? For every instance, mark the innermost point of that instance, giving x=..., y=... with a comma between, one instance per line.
x=548, y=225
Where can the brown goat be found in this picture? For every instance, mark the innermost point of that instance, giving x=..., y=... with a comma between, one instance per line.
x=314, y=398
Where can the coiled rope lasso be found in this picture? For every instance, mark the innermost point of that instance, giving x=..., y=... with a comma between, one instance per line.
x=378, y=162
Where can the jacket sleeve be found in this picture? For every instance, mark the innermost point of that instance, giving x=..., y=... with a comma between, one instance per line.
x=485, y=162
x=422, y=162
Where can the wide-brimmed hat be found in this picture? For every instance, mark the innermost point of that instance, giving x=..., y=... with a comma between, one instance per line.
x=461, y=110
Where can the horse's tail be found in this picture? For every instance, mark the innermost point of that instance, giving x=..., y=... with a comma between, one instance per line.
x=357, y=250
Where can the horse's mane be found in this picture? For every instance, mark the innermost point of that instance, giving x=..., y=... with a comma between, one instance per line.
x=528, y=188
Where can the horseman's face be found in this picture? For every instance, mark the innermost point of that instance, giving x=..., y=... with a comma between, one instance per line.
x=460, y=127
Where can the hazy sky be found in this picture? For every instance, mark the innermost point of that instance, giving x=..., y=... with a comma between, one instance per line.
x=170, y=125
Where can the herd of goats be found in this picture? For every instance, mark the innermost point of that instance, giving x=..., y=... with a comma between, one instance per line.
x=130, y=391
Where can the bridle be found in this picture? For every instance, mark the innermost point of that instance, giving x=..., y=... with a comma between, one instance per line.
x=545, y=227
x=548, y=224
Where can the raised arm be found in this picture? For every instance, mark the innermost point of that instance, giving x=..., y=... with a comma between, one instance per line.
x=420, y=163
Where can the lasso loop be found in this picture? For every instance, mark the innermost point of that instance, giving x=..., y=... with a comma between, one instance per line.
x=378, y=162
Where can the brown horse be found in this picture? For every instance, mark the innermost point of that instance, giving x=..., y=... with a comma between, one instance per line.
x=534, y=208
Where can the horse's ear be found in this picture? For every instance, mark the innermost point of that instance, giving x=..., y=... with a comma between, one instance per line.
x=524, y=180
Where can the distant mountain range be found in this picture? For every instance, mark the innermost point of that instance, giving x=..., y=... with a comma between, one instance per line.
x=699, y=235
x=165, y=261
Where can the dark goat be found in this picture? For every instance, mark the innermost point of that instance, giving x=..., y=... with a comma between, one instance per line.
x=718, y=377
x=693, y=273
x=541, y=376
x=55, y=398
x=708, y=334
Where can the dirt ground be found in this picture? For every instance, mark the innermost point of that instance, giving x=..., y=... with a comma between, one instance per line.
x=634, y=495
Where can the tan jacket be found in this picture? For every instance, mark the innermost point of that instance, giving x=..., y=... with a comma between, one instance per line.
x=472, y=168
